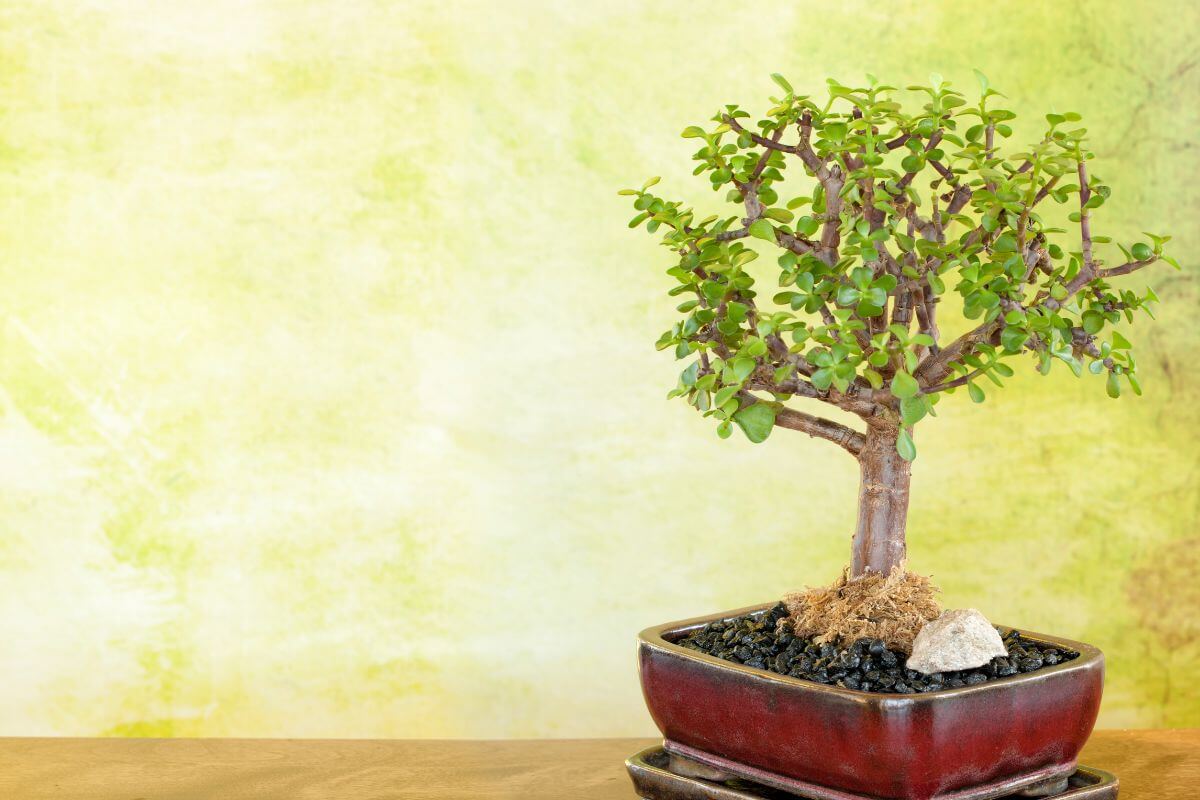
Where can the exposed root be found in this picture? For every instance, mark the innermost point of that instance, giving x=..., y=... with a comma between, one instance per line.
x=871, y=606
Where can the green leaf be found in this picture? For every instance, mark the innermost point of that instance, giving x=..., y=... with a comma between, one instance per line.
x=807, y=226
x=724, y=429
x=1093, y=321
x=1013, y=339
x=693, y=132
x=756, y=421
x=1141, y=251
x=835, y=131
x=688, y=376
x=743, y=257
x=983, y=81
x=913, y=410
x=755, y=347
x=783, y=84
x=1005, y=243
x=975, y=391
x=1044, y=363
x=861, y=277
x=794, y=299
x=905, y=446
x=848, y=296
x=1113, y=387
x=904, y=385
x=741, y=368
x=724, y=395
x=762, y=229
x=877, y=296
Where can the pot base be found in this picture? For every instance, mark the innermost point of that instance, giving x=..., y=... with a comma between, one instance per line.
x=674, y=772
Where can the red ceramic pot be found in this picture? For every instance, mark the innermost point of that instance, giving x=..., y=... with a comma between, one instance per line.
x=831, y=743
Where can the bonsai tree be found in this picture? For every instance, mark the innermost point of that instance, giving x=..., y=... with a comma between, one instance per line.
x=890, y=217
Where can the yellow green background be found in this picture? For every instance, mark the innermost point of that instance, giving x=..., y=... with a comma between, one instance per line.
x=328, y=400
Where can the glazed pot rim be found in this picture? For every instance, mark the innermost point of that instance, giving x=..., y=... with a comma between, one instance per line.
x=662, y=638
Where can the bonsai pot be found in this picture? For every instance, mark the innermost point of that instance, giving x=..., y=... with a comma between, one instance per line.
x=720, y=719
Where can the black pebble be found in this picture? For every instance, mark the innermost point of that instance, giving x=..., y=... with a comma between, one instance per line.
x=761, y=642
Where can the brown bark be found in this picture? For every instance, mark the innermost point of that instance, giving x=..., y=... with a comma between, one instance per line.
x=822, y=428
x=879, y=544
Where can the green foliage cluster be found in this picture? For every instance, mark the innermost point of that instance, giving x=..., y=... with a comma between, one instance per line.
x=898, y=211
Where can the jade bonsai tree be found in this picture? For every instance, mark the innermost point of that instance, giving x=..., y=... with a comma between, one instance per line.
x=890, y=217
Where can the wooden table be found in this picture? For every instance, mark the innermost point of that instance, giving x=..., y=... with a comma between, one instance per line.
x=1152, y=765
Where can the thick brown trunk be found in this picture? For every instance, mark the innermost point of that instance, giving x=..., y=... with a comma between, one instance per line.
x=882, y=502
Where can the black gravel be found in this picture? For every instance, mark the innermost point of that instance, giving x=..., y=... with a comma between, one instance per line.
x=866, y=665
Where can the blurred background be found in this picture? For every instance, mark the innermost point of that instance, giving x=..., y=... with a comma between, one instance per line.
x=329, y=404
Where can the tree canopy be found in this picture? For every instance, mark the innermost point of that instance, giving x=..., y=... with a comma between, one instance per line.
x=897, y=212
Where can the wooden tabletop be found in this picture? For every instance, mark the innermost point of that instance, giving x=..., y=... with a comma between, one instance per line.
x=1152, y=765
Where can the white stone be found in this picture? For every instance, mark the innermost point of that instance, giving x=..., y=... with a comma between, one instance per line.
x=961, y=638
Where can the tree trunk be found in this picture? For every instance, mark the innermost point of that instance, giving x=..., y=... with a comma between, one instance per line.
x=882, y=502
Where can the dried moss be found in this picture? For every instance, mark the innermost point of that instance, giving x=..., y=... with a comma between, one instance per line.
x=871, y=606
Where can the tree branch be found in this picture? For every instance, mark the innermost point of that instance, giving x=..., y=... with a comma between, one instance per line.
x=1084, y=342
x=761, y=141
x=932, y=142
x=819, y=427
x=961, y=196
x=933, y=371
x=1126, y=268
x=766, y=155
x=941, y=387
x=1085, y=222
x=797, y=244
x=805, y=151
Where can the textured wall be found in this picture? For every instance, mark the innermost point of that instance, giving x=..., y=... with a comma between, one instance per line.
x=329, y=402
